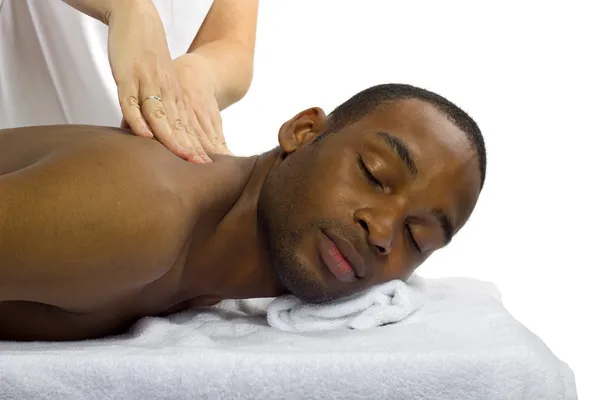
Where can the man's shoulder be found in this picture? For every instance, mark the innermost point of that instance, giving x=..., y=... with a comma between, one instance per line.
x=103, y=163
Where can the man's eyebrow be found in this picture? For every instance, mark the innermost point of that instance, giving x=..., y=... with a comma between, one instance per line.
x=446, y=224
x=399, y=148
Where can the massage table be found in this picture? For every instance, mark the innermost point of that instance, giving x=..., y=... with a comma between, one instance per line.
x=461, y=344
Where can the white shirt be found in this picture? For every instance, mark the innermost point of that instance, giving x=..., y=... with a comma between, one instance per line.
x=54, y=66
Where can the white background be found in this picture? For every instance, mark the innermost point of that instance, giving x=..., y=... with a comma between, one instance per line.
x=528, y=72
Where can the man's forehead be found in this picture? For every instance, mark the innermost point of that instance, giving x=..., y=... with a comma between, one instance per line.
x=422, y=126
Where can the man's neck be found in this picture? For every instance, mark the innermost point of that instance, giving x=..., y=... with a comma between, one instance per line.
x=233, y=262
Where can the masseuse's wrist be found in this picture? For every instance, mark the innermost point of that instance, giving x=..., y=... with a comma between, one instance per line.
x=230, y=67
x=194, y=71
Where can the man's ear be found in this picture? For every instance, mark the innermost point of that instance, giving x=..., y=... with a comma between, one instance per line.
x=302, y=129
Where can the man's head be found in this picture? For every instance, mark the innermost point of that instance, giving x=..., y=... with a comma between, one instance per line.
x=380, y=184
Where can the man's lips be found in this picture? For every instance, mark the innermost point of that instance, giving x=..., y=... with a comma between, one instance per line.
x=344, y=255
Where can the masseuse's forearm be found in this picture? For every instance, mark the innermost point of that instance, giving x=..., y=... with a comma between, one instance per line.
x=226, y=41
x=102, y=9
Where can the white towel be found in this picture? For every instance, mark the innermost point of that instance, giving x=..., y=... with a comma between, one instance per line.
x=381, y=305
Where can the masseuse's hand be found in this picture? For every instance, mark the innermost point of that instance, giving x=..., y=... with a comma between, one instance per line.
x=150, y=95
x=198, y=85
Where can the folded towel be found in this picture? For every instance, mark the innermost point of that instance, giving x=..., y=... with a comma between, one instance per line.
x=381, y=305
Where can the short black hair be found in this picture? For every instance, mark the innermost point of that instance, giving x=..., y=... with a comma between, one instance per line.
x=369, y=99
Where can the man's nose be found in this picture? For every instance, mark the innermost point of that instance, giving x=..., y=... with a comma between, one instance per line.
x=380, y=227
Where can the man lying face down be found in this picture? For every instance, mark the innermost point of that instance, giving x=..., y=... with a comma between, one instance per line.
x=99, y=228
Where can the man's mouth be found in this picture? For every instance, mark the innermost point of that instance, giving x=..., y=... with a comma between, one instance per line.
x=340, y=257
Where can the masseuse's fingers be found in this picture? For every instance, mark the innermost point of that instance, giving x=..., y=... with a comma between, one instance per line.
x=190, y=140
x=155, y=113
x=205, y=122
x=193, y=133
x=177, y=116
x=218, y=137
x=214, y=129
x=132, y=115
x=204, y=131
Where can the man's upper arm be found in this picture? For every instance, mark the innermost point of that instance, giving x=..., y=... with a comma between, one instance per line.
x=88, y=222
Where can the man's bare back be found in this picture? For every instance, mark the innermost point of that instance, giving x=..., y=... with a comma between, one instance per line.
x=100, y=226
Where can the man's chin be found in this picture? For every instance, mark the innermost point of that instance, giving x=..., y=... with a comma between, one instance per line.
x=299, y=282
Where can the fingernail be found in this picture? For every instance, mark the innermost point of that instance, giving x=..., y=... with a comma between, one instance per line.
x=198, y=160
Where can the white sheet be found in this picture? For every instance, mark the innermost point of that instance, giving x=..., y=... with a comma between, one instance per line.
x=462, y=344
